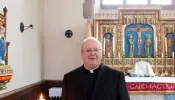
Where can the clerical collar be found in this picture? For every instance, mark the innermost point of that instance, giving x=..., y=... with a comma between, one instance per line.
x=96, y=70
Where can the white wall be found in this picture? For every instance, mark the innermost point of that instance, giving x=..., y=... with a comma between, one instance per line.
x=62, y=54
x=26, y=49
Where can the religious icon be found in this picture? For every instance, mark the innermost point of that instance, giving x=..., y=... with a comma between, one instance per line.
x=108, y=45
x=138, y=30
x=170, y=43
x=131, y=46
x=2, y=45
x=146, y=46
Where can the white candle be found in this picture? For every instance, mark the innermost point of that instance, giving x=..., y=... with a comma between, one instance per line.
x=165, y=45
x=123, y=45
x=118, y=55
x=41, y=97
x=173, y=54
x=162, y=55
x=113, y=44
x=156, y=45
x=104, y=45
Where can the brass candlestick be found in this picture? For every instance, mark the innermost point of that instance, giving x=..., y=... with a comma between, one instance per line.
x=166, y=73
x=162, y=72
x=173, y=73
x=124, y=64
x=156, y=73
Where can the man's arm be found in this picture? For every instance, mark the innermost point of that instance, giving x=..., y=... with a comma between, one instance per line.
x=122, y=92
x=64, y=89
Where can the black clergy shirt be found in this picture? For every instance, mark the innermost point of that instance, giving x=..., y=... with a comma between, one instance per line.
x=90, y=80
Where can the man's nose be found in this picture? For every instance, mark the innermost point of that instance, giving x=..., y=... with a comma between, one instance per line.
x=92, y=52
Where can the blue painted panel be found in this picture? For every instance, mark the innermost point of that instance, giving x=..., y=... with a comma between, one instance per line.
x=143, y=37
x=169, y=97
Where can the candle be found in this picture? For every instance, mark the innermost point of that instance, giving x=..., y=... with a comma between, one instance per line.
x=104, y=46
x=118, y=55
x=123, y=45
x=173, y=54
x=41, y=97
x=162, y=55
x=113, y=44
x=165, y=45
x=156, y=45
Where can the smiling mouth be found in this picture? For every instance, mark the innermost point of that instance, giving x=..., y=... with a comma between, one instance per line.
x=91, y=58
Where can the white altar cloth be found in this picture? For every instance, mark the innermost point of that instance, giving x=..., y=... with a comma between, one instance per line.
x=155, y=79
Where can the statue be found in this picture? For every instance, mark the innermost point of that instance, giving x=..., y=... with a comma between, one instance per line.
x=146, y=46
x=131, y=46
x=2, y=45
x=138, y=30
x=170, y=43
x=108, y=45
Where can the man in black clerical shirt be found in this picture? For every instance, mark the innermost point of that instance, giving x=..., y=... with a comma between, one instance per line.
x=93, y=80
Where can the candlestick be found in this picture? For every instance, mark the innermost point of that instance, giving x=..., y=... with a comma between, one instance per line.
x=173, y=73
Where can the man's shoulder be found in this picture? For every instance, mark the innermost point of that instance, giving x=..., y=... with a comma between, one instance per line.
x=73, y=72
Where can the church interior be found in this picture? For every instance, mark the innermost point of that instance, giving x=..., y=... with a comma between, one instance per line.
x=41, y=40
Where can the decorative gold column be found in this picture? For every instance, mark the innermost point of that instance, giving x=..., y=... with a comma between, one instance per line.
x=114, y=32
x=96, y=29
x=100, y=38
x=88, y=32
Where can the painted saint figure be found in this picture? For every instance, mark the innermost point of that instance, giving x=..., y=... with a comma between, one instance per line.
x=2, y=45
x=108, y=45
x=170, y=43
x=146, y=46
x=131, y=46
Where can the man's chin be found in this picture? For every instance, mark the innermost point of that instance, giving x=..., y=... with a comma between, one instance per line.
x=94, y=65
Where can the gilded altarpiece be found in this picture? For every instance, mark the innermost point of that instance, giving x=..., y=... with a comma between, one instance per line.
x=137, y=35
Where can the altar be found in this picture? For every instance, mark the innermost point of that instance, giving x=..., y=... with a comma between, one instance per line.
x=155, y=88
x=134, y=35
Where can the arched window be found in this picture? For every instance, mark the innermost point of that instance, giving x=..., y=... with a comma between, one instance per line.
x=135, y=2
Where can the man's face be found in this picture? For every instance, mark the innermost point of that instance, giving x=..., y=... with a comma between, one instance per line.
x=91, y=54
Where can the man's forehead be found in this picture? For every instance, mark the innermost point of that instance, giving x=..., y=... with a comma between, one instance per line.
x=91, y=43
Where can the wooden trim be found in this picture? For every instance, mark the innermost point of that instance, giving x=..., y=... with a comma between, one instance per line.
x=32, y=91
x=29, y=92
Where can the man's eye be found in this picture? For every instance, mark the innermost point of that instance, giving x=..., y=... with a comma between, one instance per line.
x=88, y=50
x=96, y=50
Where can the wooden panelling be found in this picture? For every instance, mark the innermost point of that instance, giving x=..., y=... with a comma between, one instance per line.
x=30, y=92
x=33, y=91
